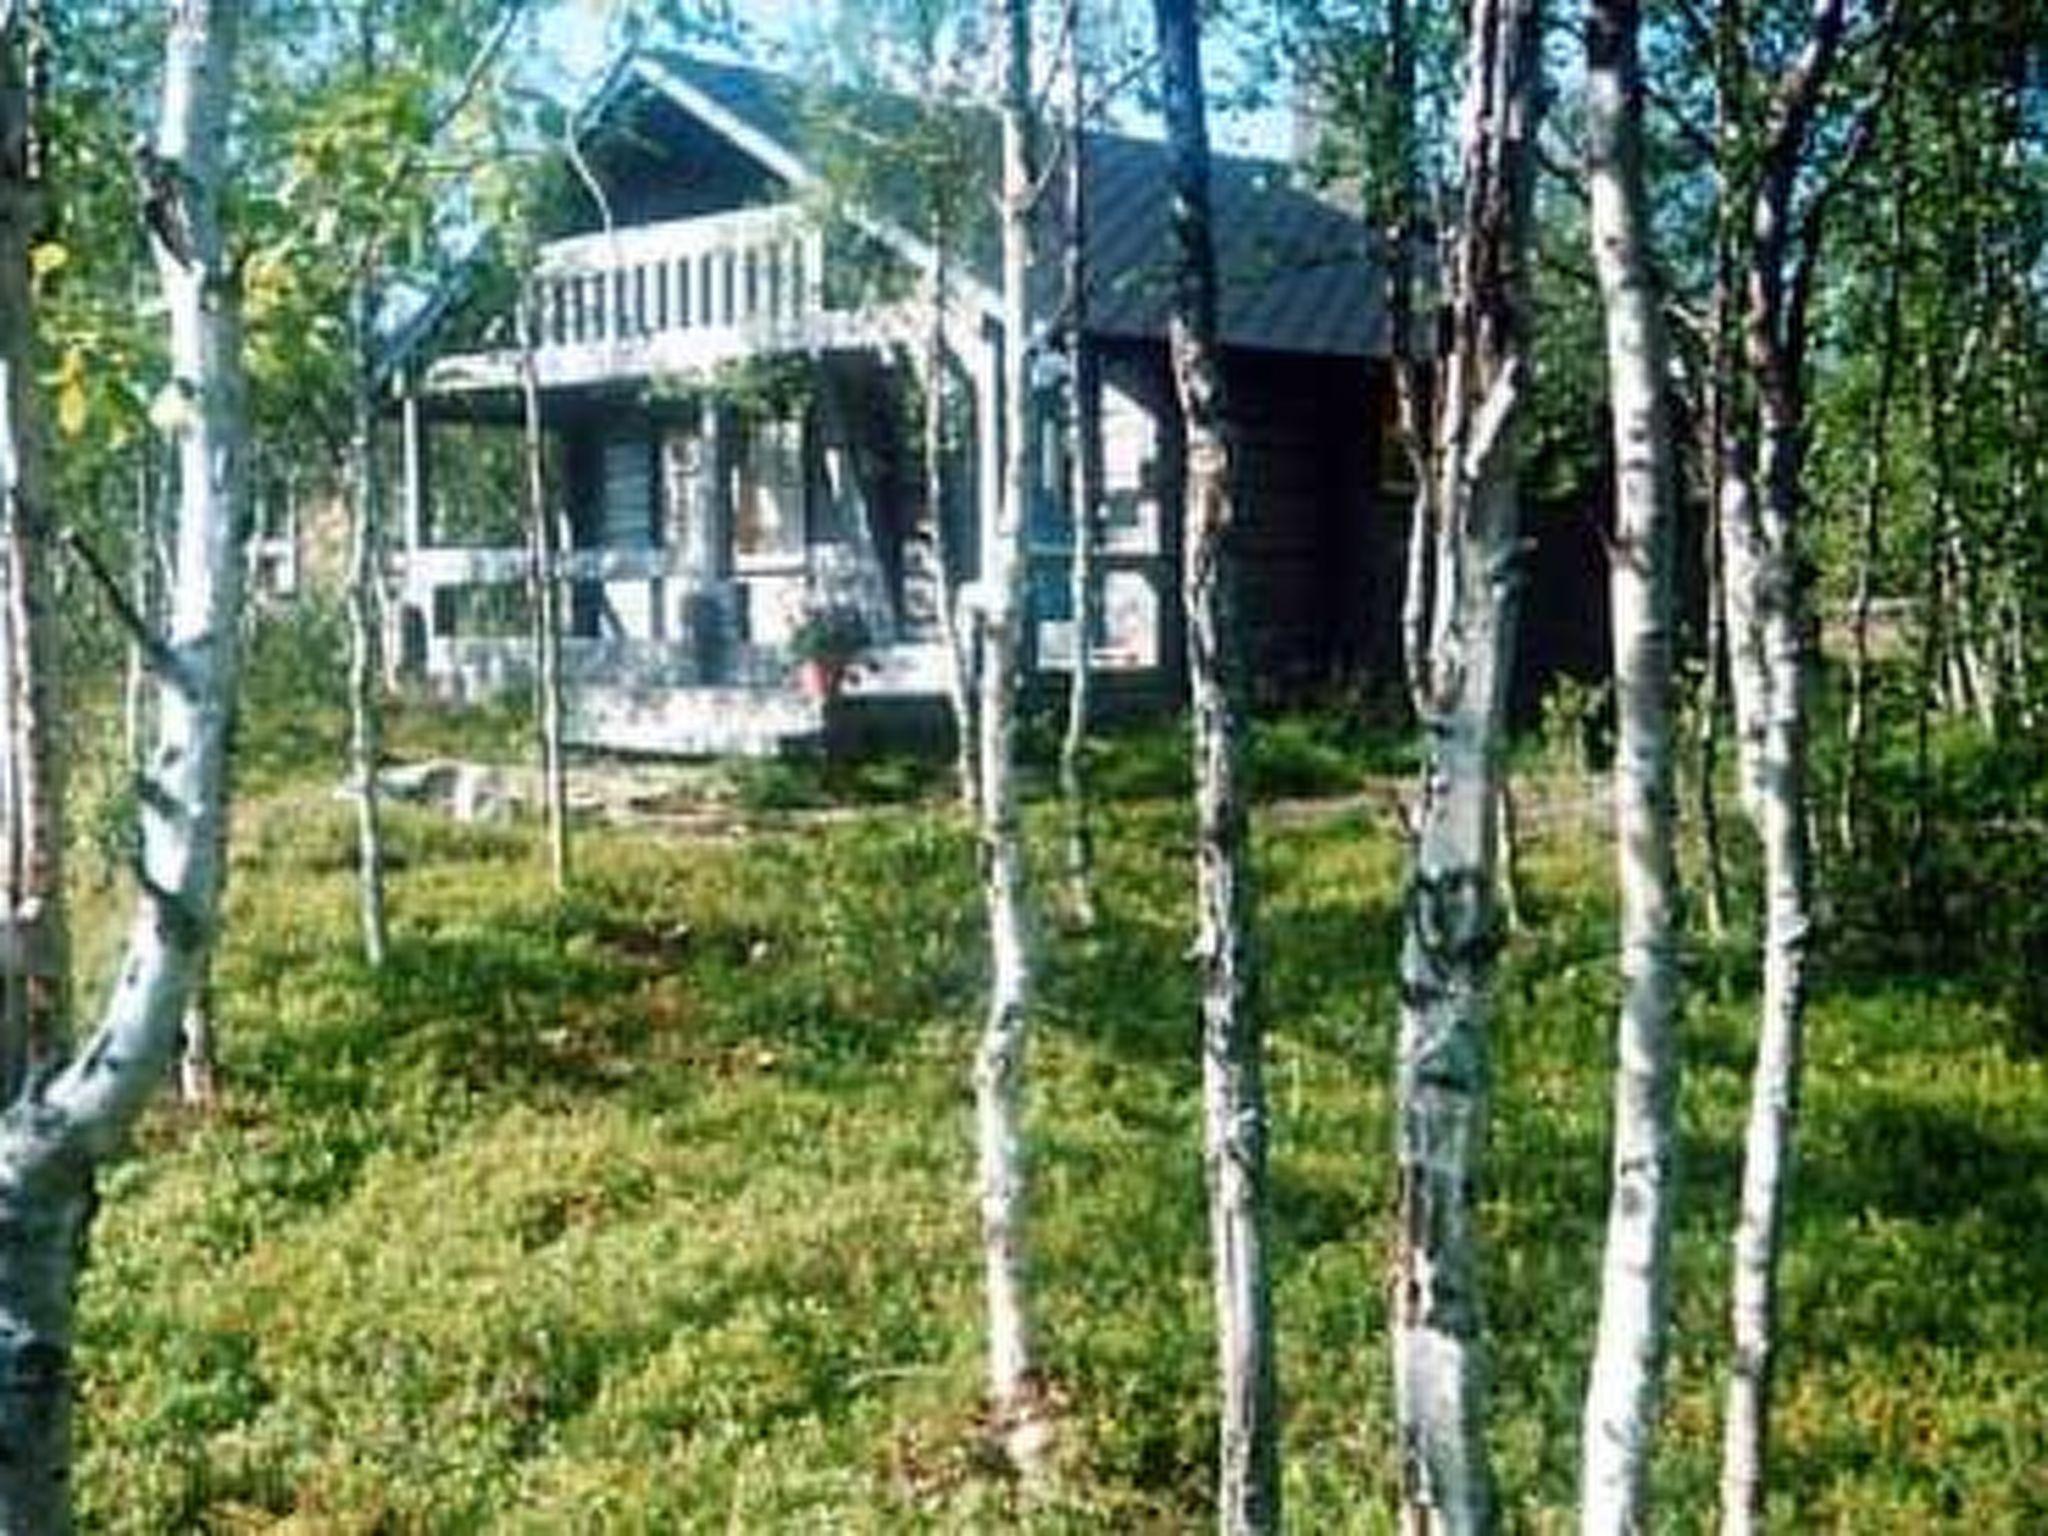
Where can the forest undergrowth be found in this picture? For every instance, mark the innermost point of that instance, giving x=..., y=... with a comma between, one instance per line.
x=647, y=1208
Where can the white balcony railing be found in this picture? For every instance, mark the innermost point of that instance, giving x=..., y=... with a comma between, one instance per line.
x=753, y=267
x=681, y=297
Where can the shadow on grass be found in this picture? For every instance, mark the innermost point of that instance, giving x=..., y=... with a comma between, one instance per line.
x=592, y=1004
x=1935, y=1165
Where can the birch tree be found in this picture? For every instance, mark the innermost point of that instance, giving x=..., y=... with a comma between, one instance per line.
x=366, y=669
x=960, y=647
x=359, y=152
x=1635, y=1291
x=1233, y=1090
x=34, y=947
x=1450, y=911
x=57, y=1130
x=1014, y=1391
x=544, y=587
x=1779, y=245
x=1084, y=483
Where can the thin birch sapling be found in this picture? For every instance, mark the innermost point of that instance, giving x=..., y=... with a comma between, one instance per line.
x=1234, y=1114
x=1017, y=1402
x=1625, y=1391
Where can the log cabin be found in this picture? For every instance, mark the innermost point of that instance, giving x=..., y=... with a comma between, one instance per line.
x=729, y=349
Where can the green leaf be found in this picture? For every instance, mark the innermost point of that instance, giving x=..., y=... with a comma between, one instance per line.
x=71, y=407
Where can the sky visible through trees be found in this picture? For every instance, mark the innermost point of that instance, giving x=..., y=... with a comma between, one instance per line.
x=580, y=39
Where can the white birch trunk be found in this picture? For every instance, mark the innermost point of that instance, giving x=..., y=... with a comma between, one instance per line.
x=1623, y=1396
x=1707, y=729
x=1413, y=408
x=366, y=726
x=960, y=680
x=1742, y=563
x=1084, y=444
x=52, y=1139
x=34, y=1002
x=1774, y=326
x=1450, y=918
x=545, y=584
x=1767, y=1141
x=1738, y=557
x=1234, y=1115
x=1016, y=1405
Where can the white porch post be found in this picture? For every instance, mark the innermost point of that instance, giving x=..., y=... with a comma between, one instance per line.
x=406, y=650
x=414, y=427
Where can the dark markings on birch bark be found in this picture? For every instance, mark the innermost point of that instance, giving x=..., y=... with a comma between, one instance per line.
x=52, y=1141
x=1233, y=1093
x=1464, y=646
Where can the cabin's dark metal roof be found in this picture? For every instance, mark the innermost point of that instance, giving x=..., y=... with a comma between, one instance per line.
x=1295, y=270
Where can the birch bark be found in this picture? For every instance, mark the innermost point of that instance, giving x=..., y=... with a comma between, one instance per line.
x=545, y=584
x=1635, y=1294
x=1084, y=449
x=53, y=1136
x=1707, y=730
x=1234, y=1112
x=1774, y=334
x=959, y=661
x=34, y=1005
x=1413, y=403
x=1739, y=557
x=366, y=726
x=1450, y=917
x=1015, y=1400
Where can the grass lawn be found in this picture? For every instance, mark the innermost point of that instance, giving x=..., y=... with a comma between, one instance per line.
x=649, y=1209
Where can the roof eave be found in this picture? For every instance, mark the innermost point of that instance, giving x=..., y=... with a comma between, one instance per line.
x=783, y=161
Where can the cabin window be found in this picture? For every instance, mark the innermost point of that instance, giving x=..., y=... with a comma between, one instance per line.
x=1131, y=476
x=628, y=493
x=768, y=506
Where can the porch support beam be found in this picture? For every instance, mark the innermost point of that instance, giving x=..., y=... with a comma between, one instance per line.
x=405, y=646
x=413, y=430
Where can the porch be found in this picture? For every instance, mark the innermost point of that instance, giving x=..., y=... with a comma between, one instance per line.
x=656, y=657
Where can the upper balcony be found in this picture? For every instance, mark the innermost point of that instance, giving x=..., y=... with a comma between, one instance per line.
x=675, y=298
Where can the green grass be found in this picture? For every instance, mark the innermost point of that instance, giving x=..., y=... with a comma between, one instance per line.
x=649, y=1209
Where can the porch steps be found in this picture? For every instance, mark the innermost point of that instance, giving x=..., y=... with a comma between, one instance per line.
x=699, y=721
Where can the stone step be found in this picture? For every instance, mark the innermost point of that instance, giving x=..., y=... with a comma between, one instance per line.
x=708, y=721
